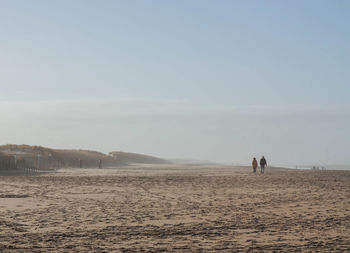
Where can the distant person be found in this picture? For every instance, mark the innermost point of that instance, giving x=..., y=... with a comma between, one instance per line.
x=254, y=164
x=263, y=164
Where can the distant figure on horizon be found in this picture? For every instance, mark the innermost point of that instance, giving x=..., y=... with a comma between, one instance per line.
x=263, y=163
x=254, y=164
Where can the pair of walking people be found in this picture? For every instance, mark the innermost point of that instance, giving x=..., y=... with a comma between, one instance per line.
x=263, y=164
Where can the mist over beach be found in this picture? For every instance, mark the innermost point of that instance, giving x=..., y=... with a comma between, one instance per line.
x=174, y=126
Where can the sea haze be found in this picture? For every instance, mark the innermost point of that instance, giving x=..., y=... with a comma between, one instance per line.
x=290, y=135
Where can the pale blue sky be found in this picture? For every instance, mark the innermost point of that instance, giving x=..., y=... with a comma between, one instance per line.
x=199, y=54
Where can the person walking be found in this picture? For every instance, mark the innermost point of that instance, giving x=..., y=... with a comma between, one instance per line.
x=263, y=164
x=254, y=164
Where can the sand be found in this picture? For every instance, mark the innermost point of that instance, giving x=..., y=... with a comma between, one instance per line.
x=181, y=209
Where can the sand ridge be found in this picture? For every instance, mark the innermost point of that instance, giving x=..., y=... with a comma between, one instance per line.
x=172, y=208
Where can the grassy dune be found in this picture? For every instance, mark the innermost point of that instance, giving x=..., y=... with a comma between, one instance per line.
x=24, y=156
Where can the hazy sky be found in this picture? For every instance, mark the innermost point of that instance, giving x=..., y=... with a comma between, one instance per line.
x=216, y=80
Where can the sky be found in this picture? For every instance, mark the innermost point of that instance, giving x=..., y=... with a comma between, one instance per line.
x=214, y=80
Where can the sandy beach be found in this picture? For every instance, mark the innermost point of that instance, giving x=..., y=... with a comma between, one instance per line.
x=174, y=208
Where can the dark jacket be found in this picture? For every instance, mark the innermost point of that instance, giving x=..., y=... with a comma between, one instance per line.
x=263, y=162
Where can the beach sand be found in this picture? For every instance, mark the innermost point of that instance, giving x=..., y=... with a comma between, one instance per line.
x=174, y=208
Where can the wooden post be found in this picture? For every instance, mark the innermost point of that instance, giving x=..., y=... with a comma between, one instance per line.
x=15, y=157
x=38, y=162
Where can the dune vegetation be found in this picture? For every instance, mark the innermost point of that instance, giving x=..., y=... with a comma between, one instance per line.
x=26, y=156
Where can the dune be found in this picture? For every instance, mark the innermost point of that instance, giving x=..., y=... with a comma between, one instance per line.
x=25, y=156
